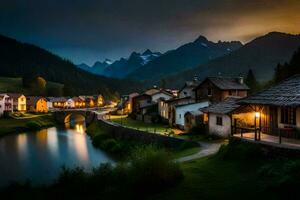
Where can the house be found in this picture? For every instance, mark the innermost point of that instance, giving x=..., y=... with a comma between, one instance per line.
x=140, y=101
x=19, y=102
x=89, y=101
x=217, y=89
x=188, y=89
x=182, y=110
x=78, y=102
x=6, y=104
x=99, y=100
x=219, y=117
x=126, y=103
x=166, y=108
x=50, y=102
x=70, y=103
x=273, y=112
x=59, y=102
x=36, y=104
x=160, y=94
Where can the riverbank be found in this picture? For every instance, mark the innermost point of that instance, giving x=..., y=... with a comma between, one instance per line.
x=11, y=125
x=238, y=171
x=111, y=140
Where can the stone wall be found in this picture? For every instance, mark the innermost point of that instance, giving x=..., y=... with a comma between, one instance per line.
x=131, y=134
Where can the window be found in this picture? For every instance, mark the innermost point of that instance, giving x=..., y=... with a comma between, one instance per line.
x=219, y=121
x=230, y=92
x=288, y=115
x=209, y=92
x=179, y=116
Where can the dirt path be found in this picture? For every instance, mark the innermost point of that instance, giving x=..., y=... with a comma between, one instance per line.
x=206, y=150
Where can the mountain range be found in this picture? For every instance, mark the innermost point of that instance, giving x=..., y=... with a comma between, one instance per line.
x=185, y=57
x=122, y=67
x=205, y=58
x=261, y=55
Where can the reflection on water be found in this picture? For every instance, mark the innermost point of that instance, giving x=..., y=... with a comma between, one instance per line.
x=39, y=156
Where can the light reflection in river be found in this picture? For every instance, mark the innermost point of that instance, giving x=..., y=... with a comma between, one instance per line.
x=39, y=155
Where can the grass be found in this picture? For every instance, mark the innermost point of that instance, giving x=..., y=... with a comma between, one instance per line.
x=14, y=85
x=121, y=148
x=135, y=124
x=237, y=171
x=15, y=125
x=186, y=152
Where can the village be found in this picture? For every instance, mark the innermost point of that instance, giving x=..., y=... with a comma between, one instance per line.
x=217, y=106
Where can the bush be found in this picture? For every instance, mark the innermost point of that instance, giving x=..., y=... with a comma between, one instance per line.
x=33, y=125
x=240, y=150
x=199, y=129
x=152, y=169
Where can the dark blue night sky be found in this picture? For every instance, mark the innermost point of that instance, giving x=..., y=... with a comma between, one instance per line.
x=90, y=30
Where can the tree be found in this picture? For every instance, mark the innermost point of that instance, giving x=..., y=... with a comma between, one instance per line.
x=41, y=84
x=288, y=69
x=252, y=82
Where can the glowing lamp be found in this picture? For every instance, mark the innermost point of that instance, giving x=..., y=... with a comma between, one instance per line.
x=257, y=114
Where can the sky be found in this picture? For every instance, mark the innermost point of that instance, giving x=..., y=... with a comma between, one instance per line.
x=91, y=30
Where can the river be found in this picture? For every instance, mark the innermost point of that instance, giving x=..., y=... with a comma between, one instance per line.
x=38, y=156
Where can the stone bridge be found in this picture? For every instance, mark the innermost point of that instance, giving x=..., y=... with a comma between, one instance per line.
x=65, y=116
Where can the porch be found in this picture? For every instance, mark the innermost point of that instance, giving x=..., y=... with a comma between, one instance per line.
x=288, y=138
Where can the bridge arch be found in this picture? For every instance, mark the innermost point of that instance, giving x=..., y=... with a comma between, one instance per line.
x=63, y=117
x=77, y=117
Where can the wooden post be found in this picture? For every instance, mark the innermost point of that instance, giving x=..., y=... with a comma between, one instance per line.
x=241, y=133
x=255, y=128
x=279, y=136
x=259, y=131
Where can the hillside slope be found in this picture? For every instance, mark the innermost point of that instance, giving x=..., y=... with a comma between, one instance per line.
x=261, y=55
x=185, y=57
x=19, y=59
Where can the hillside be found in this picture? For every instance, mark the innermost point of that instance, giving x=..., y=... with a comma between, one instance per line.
x=261, y=55
x=185, y=57
x=20, y=59
x=14, y=85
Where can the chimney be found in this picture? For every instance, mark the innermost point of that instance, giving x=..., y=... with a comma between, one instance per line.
x=240, y=79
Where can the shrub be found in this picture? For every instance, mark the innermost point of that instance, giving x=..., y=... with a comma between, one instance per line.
x=153, y=169
x=199, y=129
x=240, y=150
x=33, y=125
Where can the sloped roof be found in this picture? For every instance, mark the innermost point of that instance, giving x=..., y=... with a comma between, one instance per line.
x=177, y=99
x=224, y=107
x=190, y=84
x=77, y=99
x=162, y=91
x=195, y=112
x=32, y=100
x=226, y=83
x=152, y=91
x=59, y=99
x=286, y=93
